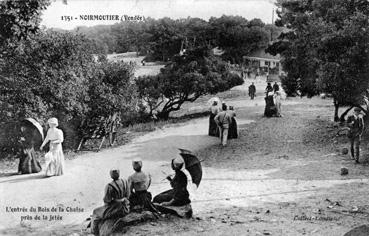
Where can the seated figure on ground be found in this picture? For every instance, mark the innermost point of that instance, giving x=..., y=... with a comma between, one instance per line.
x=116, y=202
x=139, y=182
x=178, y=195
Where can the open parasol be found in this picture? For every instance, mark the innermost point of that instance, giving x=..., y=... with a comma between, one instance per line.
x=212, y=100
x=192, y=165
x=37, y=125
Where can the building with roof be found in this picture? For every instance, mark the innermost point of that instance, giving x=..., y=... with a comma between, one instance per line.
x=264, y=62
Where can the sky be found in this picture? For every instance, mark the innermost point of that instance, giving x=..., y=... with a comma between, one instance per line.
x=54, y=15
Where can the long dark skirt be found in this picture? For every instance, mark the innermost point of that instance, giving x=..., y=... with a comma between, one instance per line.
x=141, y=200
x=27, y=162
x=181, y=198
x=213, y=128
x=233, y=132
x=270, y=109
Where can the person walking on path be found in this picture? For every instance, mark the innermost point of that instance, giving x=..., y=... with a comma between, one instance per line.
x=252, y=91
x=55, y=157
x=233, y=131
x=213, y=128
x=28, y=162
x=223, y=120
x=356, y=124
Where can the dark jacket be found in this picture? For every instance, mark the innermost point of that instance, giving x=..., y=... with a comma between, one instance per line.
x=356, y=125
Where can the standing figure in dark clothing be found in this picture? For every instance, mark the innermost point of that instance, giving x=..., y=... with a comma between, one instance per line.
x=252, y=91
x=28, y=163
x=213, y=127
x=275, y=87
x=356, y=125
x=233, y=132
x=178, y=195
x=270, y=109
x=268, y=89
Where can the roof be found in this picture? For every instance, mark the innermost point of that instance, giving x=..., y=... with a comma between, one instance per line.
x=261, y=54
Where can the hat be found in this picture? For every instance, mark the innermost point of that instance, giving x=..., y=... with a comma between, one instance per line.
x=114, y=174
x=53, y=121
x=177, y=163
x=137, y=164
x=357, y=109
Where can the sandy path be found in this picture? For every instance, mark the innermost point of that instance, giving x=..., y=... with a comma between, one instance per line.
x=82, y=185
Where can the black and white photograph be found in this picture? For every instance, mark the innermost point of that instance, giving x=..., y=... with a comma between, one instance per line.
x=184, y=117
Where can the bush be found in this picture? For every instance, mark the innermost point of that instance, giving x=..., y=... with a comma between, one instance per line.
x=289, y=85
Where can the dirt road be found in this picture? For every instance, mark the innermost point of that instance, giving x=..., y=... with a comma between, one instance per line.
x=80, y=190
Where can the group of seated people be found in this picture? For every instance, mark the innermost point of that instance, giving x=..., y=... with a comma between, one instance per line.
x=123, y=196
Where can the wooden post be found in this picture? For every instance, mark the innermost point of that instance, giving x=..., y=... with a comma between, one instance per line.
x=103, y=139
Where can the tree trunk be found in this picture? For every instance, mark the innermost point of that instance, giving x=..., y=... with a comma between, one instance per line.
x=336, y=107
x=163, y=115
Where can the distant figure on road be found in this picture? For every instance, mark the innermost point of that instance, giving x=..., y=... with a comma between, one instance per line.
x=356, y=124
x=252, y=91
x=275, y=87
x=233, y=132
x=223, y=120
x=213, y=128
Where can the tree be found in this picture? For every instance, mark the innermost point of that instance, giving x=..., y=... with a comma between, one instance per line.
x=326, y=47
x=188, y=77
x=111, y=89
x=46, y=75
x=20, y=19
x=238, y=37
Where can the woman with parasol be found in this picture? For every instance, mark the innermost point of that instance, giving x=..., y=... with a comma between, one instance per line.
x=178, y=195
x=30, y=135
x=55, y=157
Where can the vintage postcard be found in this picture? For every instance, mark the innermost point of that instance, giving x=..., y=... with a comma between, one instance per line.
x=184, y=117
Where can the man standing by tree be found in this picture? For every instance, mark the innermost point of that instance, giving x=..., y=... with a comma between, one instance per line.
x=356, y=124
x=223, y=120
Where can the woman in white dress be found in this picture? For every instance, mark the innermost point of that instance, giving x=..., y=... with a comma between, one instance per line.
x=55, y=157
x=278, y=103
